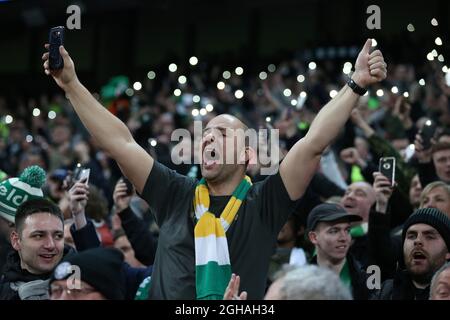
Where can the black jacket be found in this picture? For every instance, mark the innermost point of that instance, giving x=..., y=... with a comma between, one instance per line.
x=358, y=278
x=5, y=248
x=400, y=287
x=13, y=274
x=140, y=237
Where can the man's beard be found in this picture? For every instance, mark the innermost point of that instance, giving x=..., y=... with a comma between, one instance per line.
x=422, y=278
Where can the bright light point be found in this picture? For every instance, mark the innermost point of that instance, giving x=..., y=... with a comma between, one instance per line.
x=380, y=93
x=239, y=71
x=268, y=119
x=8, y=119
x=137, y=86
x=434, y=22
x=209, y=107
x=173, y=67
x=129, y=92
x=182, y=79
x=444, y=69
x=151, y=75
x=312, y=65
x=410, y=27
x=430, y=56
x=441, y=58
x=29, y=138
x=333, y=93
x=203, y=112
x=434, y=53
x=287, y=92
x=238, y=94
x=394, y=89
x=347, y=68
x=152, y=142
x=374, y=43
x=303, y=94
x=263, y=75
x=36, y=112
x=293, y=102
x=51, y=115
x=220, y=85
x=406, y=94
x=428, y=123
x=438, y=41
x=196, y=99
x=177, y=92
x=193, y=61
x=195, y=112
x=226, y=74
x=271, y=67
x=300, y=78
x=422, y=82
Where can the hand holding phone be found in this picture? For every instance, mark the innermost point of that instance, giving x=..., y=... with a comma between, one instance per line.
x=55, y=40
x=387, y=168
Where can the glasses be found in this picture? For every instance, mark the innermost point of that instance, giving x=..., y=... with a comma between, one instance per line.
x=57, y=291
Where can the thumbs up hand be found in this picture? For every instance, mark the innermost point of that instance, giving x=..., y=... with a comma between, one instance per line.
x=369, y=67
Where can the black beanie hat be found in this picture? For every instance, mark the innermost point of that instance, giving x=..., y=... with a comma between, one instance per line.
x=432, y=217
x=99, y=267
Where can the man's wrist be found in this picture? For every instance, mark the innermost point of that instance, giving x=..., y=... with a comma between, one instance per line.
x=71, y=85
x=356, y=86
x=358, y=80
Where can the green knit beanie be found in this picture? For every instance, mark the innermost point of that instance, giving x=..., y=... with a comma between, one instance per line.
x=15, y=191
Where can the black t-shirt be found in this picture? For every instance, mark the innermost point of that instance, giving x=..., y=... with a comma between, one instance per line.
x=251, y=237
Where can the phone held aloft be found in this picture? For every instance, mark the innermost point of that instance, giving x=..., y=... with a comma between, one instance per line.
x=387, y=168
x=427, y=133
x=55, y=40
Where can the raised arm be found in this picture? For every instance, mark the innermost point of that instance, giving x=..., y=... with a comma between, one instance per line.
x=112, y=134
x=301, y=162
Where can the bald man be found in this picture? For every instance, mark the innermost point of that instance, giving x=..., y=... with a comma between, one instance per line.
x=223, y=223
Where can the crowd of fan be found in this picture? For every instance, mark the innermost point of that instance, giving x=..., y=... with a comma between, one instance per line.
x=387, y=123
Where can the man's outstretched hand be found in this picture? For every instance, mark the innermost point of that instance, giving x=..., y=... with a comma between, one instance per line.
x=65, y=76
x=369, y=67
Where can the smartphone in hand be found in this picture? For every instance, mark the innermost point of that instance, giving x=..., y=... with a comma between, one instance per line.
x=387, y=168
x=84, y=175
x=427, y=133
x=55, y=40
x=130, y=188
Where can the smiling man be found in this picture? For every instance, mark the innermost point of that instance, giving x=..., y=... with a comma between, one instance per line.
x=222, y=223
x=426, y=239
x=38, y=241
x=328, y=228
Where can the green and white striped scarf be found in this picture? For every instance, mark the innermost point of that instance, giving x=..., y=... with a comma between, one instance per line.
x=212, y=259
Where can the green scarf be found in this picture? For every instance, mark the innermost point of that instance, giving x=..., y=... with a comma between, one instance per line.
x=359, y=230
x=212, y=259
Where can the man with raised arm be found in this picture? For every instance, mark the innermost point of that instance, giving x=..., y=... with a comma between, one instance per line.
x=222, y=223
